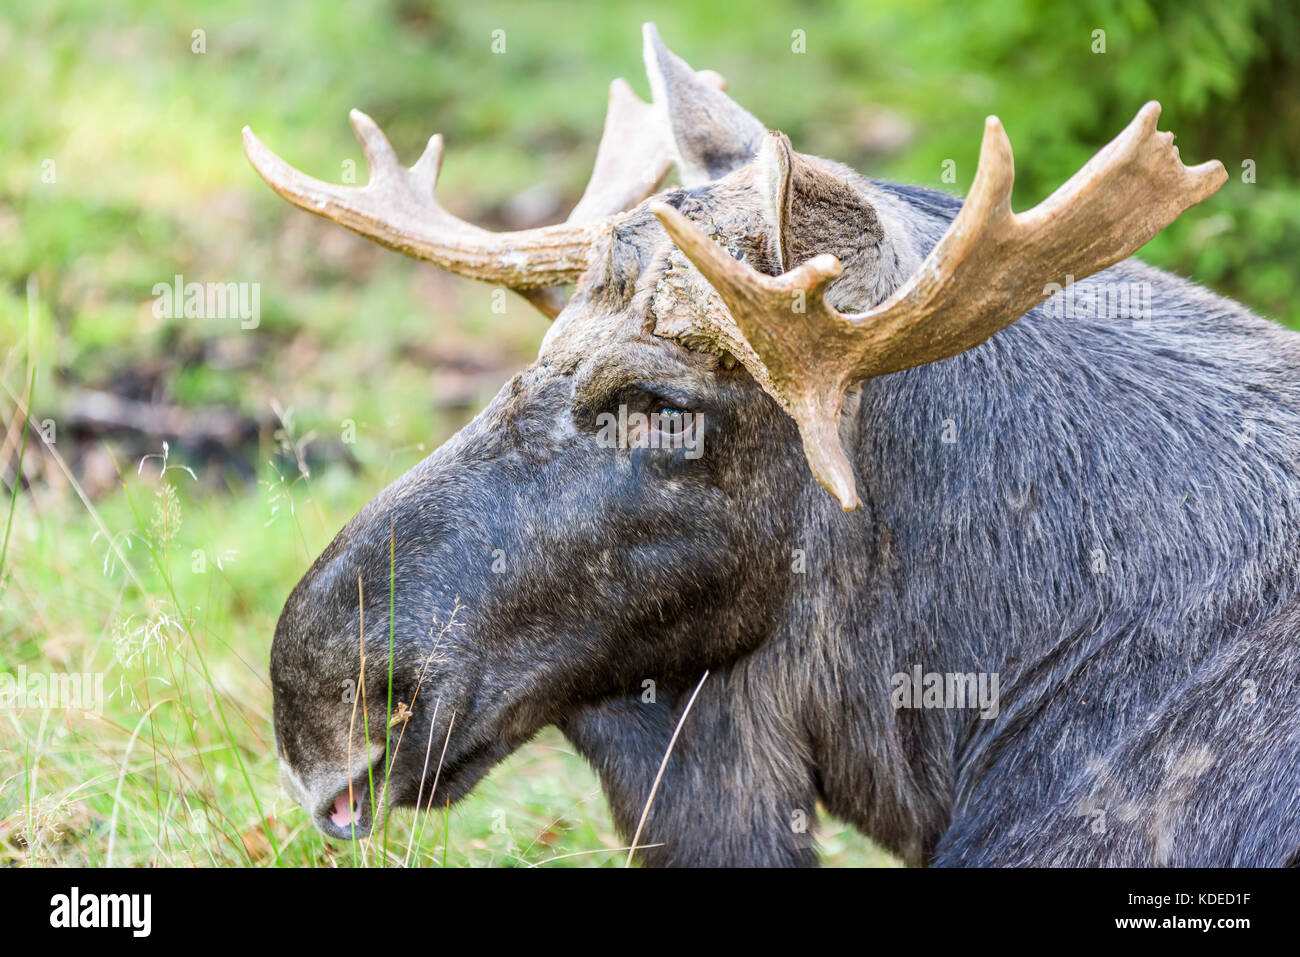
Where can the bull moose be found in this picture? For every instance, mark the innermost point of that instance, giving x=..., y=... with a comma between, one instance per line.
x=994, y=571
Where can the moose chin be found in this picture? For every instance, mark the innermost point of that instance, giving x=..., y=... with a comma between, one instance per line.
x=920, y=458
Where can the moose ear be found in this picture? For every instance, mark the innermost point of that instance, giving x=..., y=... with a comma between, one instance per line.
x=711, y=134
x=772, y=167
x=809, y=209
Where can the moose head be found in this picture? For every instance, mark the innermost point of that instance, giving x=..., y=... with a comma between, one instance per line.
x=624, y=509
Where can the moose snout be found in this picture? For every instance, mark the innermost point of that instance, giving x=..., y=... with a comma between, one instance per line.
x=348, y=813
x=341, y=806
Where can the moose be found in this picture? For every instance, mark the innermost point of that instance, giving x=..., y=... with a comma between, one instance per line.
x=921, y=475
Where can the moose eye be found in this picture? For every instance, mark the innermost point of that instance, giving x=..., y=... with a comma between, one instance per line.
x=670, y=420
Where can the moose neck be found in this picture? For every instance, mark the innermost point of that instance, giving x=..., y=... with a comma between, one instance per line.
x=1052, y=509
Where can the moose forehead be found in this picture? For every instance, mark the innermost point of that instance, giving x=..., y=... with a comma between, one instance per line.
x=642, y=290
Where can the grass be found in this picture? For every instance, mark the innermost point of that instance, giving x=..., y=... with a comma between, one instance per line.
x=120, y=168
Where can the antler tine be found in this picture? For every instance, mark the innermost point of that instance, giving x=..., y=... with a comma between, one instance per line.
x=381, y=159
x=634, y=155
x=797, y=342
x=990, y=267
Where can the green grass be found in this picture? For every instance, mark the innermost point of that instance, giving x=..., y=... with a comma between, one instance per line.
x=120, y=167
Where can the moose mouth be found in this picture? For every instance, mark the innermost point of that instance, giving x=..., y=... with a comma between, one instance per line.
x=350, y=813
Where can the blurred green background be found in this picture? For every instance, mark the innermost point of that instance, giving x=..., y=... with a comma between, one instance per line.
x=121, y=167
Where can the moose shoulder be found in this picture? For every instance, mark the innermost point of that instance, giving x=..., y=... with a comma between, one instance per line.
x=1046, y=615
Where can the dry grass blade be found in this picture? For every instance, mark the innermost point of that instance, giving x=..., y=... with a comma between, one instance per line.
x=645, y=813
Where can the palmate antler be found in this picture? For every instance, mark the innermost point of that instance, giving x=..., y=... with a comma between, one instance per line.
x=399, y=209
x=990, y=267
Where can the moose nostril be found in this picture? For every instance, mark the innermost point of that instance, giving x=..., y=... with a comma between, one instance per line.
x=344, y=810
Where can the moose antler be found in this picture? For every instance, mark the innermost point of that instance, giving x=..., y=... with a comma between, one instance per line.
x=399, y=209
x=634, y=155
x=990, y=267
